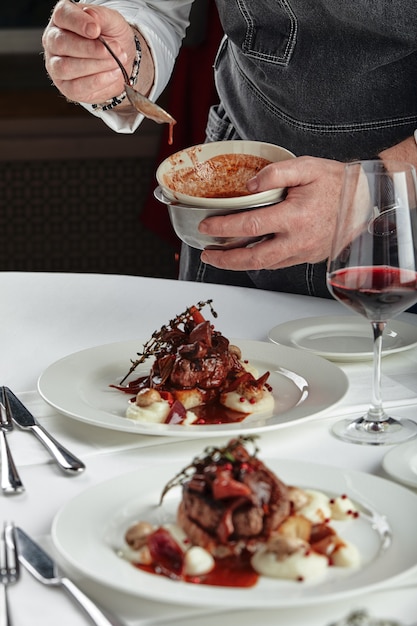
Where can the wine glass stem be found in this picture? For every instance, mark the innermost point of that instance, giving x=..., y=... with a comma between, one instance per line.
x=376, y=412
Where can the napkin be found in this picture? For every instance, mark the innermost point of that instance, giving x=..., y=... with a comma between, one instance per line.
x=81, y=439
x=398, y=376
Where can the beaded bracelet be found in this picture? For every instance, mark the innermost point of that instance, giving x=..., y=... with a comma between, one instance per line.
x=113, y=102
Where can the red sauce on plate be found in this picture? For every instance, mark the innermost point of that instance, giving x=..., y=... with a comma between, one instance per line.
x=212, y=413
x=231, y=571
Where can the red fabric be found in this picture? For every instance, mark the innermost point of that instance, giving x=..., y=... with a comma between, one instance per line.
x=191, y=93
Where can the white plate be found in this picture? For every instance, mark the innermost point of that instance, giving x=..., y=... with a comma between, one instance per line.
x=401, y=463
x=342, y=338
x=78, y=386
x=89, y=530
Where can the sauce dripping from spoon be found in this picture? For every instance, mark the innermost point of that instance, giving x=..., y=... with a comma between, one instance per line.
x=141, y=103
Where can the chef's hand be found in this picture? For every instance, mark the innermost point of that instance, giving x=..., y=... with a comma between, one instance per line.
x=77, y=62
x=301, y=226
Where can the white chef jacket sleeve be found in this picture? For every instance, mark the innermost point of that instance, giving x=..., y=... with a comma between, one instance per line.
x=163, y=24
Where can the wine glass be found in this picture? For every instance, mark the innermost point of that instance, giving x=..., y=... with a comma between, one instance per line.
x=372, y=270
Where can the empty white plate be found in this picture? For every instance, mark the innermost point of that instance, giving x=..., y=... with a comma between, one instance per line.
x=401, y=463
x=342, y=338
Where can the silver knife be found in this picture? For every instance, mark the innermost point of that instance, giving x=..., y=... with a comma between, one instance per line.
x=24, y=418
x=41, y=566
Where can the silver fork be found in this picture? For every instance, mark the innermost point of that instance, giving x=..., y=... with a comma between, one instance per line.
x=9, y=570
x=10, y=479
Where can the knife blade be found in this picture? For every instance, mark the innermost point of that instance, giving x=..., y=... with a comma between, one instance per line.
x=43, y=568
x=24, y=418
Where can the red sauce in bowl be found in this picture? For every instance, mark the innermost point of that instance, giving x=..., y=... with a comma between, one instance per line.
x=223, y=176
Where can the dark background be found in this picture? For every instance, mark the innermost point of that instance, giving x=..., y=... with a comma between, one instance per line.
x=74, y=195
x=23, y=13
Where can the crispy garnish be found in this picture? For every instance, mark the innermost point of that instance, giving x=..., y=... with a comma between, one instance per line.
x=210, y=455
x=160, y=338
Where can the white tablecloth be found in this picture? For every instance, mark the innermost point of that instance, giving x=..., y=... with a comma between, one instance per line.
x=44, y=317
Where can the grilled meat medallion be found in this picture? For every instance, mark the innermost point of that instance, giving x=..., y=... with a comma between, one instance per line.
x=229, y=506
x=204, y=361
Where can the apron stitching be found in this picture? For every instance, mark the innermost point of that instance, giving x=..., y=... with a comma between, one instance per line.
x=323, y=128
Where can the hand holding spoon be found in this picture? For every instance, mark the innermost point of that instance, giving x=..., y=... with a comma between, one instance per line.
x=141, y=103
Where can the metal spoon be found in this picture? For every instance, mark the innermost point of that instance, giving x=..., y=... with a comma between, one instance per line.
x=141, y=103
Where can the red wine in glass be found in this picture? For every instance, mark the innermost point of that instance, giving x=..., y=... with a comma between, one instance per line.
x=372, y=270
x=379, y=293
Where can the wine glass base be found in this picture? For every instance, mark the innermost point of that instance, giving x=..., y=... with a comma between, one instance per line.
x=366, y=432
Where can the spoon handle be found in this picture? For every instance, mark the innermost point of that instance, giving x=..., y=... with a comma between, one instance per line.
x=119, y=63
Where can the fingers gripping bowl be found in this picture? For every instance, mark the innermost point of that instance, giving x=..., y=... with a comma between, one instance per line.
x=210, y=179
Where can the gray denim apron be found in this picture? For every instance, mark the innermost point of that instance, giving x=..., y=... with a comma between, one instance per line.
x=328, y=78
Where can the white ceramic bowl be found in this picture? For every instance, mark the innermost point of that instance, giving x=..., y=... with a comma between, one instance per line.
x=190, y=157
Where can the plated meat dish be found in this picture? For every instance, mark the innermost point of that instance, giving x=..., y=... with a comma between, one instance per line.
x=197, y=376
x=237, y=521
